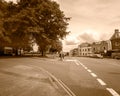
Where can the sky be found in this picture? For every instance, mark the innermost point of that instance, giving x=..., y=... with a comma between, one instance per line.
x=91, y=20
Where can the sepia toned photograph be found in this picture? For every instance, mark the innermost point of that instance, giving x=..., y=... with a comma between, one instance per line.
x=59, y=48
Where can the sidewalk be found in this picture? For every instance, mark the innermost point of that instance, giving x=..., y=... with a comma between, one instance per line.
x=24, y=80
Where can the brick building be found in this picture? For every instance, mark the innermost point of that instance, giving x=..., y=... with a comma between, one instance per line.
x=101, y=47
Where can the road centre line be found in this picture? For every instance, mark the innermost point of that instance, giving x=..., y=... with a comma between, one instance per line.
x=101, y=82
x=81, y=63
x=86, y=68
x=89, y=70
x=76, y=62
x=93, y=74
x=113, y=92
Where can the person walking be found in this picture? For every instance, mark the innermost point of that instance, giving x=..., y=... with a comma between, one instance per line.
x=61, y=55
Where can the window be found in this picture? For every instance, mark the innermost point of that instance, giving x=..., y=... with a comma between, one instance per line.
x=119, y=34
x=104, y=48
x=88, y=49
x=117, y=44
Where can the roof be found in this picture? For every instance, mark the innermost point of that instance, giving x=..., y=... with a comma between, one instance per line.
x=84, y=45
x=116, y=35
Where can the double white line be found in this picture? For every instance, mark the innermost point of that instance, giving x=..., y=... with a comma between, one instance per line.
x=67, y=90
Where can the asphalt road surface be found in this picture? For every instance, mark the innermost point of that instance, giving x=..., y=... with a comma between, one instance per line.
x=83, y=76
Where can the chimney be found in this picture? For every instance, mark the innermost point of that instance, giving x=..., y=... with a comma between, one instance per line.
x=116, y=30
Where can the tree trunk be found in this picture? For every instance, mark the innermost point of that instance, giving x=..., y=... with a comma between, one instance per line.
x=43, y=53
x=16, y=52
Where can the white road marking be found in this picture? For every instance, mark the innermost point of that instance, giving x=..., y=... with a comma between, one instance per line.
x=86, y=68
x=93, y=74
x=76, y=63
x=89, y=70
x=69, y=60
x=67, y=90
x=72, y=94
x=101, y=82
x=113, y=92
x=81, y=63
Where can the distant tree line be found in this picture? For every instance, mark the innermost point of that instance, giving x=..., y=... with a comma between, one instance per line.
x=32, y=21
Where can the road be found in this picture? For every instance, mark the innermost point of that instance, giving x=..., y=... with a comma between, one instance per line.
x=83, y=76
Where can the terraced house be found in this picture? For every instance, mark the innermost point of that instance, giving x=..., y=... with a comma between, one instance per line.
x=101, y=47
x=85, y=49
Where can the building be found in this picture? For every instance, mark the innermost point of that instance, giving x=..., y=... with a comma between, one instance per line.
x=96, y=47
x=109, y=45
x=115, y=40
x=84, y=49
x=74, y=52
x=101, y=47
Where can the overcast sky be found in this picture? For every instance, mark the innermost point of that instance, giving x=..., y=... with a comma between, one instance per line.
x=91, y=20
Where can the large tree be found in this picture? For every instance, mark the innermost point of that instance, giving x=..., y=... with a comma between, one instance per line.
x=2, y=13
x=17, y=25
x=50, y=22
x=56, y=46
x=39, y=20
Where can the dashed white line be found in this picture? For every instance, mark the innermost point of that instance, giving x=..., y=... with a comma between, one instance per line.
x=83, y=65
x=113, y=92
x=86, y=68
x=76, y=63
x=80, y=63
x=101, y=82
x=93, y=74
x=89, y=70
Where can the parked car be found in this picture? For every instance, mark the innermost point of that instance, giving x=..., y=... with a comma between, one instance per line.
x=116, y=55
x=97, y=56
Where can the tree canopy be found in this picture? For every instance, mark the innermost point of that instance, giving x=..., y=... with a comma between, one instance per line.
x=4, y=39
x=40, y=21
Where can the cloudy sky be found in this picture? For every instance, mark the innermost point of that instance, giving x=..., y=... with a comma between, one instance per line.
x=91, y=20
